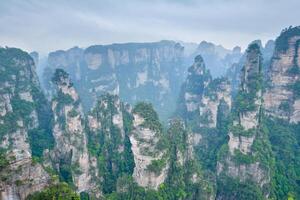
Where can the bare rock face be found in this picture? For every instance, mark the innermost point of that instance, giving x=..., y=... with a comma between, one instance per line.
x=20, y=176
x=126, y=70
x=282, y=97
x=147, y=153
x=239, y=155
x=193, y=89
x=218, y=90
x=70, y=155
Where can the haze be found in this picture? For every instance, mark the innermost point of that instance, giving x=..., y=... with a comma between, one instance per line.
x=50, y=25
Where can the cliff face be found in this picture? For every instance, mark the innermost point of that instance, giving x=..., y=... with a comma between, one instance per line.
x=20, y=120
x=282, y=97
x=242, y=158
x=184, y=168
x=148, y=148
x=201, y=96
x=134, y=71
x=233, y=73
x=69, y=156
x=109, y=124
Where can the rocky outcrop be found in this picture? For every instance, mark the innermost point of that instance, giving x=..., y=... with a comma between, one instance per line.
x=183, y=159
x=218, y=90
x=201, y=96
x=193, y=89
x=147, y=147
x=282, y=96
x=241, y=156
x=127, y=70
x=70, y=155
x=233, y=73
x=19, y=120
x=109, y=124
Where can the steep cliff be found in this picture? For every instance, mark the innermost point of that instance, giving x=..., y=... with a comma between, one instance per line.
x=246, y=158
x=109, y=124
x=135, y=71
x=70, y=155
x=233, y=73
x=201, y=95
x=192, y=89
x=282, y=95
x=22, y=120
x=184, y=170
x=148, y=147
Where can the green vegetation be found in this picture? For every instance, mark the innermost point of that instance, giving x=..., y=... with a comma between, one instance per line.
x=229, y=188
x=16, y=67
x=238, y=130
x=246, y=98
x=65, y=170
x=179, y=183
x=294, y=70
x=282, y=41
x=240, y=158
x=214, y=87
x=41, y=138
x=156, y=166
x=285, y=106
x=56, y=192
x=4, y=162
x=295, y=88
x=146, y=111
x=285, y=143
x=59, y=76
x=106, y=142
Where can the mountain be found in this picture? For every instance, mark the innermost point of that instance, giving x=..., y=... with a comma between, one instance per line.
x=25, y=126
x=246, y=160
x=281, y=98
x=149, y=72
x=201, y=95
x=225, y=140
x=217, y=58
x=233, y=73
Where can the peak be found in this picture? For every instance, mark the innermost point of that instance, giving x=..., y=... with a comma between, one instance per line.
x=198, y=59
x=237, y=49
x=146, y=111
x=107, y=97
x=282, y=42
x=294, y=30
x=257, y=42
x=205, y=45
x=60, y=77
x=254, y=47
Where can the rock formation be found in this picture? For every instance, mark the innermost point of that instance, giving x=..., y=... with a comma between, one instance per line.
x=21, y=110
x=149, y=151
x=134, y=71
x=242, y=158
x=109, y=124
x=201, y=96
x=70, y=155
x=282, y=96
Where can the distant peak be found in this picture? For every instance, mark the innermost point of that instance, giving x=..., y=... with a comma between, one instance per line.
x=198, y=59
x=60, y=77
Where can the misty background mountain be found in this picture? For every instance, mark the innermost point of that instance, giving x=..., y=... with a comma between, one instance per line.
x=146, y=100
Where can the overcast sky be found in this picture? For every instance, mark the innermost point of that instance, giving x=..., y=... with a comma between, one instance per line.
x=57, y=24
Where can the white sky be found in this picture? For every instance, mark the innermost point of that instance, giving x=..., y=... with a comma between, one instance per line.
x=48, y=25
